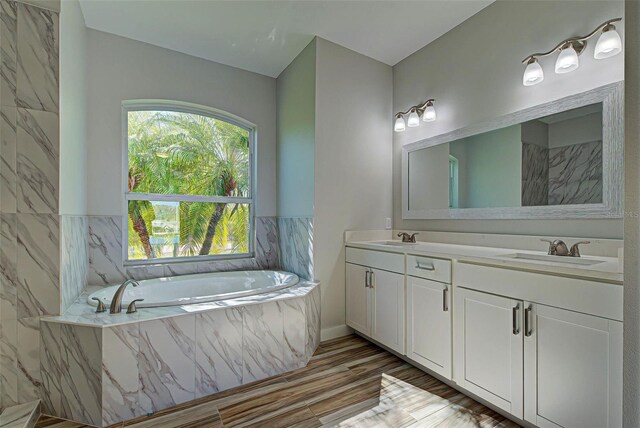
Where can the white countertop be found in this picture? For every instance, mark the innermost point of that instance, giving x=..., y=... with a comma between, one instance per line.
x=608, y=270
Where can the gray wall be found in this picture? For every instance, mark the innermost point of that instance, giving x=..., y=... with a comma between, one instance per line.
x=352, y=164
x=584, y=129
x=475, y=73
x=73, y=106
x=429, y=177
x=296, y=127
x=631, y=356
x=124, y=69
x=493, y=169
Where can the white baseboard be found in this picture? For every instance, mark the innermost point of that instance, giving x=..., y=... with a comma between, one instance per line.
x=335, y=332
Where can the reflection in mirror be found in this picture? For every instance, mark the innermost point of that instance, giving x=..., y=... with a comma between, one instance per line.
x=553, y=160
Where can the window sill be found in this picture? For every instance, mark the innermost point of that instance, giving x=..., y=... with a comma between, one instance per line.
x=193, y=259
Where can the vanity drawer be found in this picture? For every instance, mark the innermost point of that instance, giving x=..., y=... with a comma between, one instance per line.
x=392, y=262
x=429, y=268
x=576, y=294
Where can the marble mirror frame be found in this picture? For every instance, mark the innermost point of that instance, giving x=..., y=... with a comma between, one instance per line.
x=612, y=98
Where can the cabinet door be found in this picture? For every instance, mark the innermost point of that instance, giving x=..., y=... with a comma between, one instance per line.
x=388, y=309
x=573, y=369
x=358, y=299
x=488, y=348
x=429, y=324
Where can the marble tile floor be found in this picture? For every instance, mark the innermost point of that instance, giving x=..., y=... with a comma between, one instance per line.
x=349, y=382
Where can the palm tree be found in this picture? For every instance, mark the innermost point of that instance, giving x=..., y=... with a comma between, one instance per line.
x=137, y=211
x=217, y=156
x=177, y=153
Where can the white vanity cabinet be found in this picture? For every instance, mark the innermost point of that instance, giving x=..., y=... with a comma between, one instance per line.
x=488, y=348
x=375, y=285
x=387, y=291
x=545, y=348
x=552, y=366
x=429, y=314
x=572, y=369
x=358, y=298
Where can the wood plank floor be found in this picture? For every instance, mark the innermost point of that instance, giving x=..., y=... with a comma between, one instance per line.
x=349, y=382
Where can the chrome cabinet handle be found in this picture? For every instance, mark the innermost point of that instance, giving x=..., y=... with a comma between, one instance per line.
x=445, y=307
x=428, y=267
x=527, y=322
x=367, y=278
x=514, y=312
x=372, y=280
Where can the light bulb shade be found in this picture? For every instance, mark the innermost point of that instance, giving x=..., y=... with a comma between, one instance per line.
x=533, y=74
x=399, y=126
x=413, y=120
x=608, y=45
x=567, y=60
x=429, y=114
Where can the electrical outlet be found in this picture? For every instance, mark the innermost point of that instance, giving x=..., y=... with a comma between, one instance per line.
x=387, y=222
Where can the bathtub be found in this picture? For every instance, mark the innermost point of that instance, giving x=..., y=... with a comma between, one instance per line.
x=198, y=288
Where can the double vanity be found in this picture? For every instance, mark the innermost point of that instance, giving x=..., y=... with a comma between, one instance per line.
x=537, y=336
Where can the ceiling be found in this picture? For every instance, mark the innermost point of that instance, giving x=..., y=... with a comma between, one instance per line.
x=265, y=36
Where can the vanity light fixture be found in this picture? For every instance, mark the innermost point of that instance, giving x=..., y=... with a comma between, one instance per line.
x=429, y=114
x=425, y=109
x=414, y=119
x=609, y=44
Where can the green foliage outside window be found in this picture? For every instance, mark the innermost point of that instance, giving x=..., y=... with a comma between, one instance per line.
x=185, y=154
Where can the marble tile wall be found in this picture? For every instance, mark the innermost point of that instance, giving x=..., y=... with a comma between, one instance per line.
x=562, y=175
x=535, y=175
x=219, y=359
x=296, y=245
x=313, y=321
x=575, y=174
x=102, y=376
x=29, y=176
x=169, y=343
x=74, y=258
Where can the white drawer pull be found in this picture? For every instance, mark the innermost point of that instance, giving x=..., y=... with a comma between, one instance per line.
x=425, y=267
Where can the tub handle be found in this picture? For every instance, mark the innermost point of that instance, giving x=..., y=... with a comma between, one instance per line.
x=100, y=307
x=131, y=309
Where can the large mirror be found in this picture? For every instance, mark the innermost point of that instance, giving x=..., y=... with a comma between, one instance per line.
x=559, y=160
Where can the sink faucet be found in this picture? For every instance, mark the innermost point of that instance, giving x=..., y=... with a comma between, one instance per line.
x=116, y=301
x=559, y=248
x=575, y=251
x=408, y=238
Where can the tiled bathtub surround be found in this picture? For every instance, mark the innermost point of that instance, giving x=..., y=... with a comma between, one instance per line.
x=575, y=174
x=74, y=258
x=281, y=243
x=29, y=177
x=535, y=175
x=296, y=245
x=562, y=175
x=115, y=368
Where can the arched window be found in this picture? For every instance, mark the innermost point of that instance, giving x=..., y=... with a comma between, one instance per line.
x=188, y=183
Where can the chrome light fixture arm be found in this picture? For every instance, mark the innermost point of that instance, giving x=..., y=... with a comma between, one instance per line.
x=578, y=43
x=419, y=108
x=608, y=45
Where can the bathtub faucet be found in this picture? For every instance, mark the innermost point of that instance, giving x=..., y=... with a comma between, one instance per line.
x=116, y=301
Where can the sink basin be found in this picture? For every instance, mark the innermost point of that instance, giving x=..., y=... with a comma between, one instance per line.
x=554, y=259
x=397, y=243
